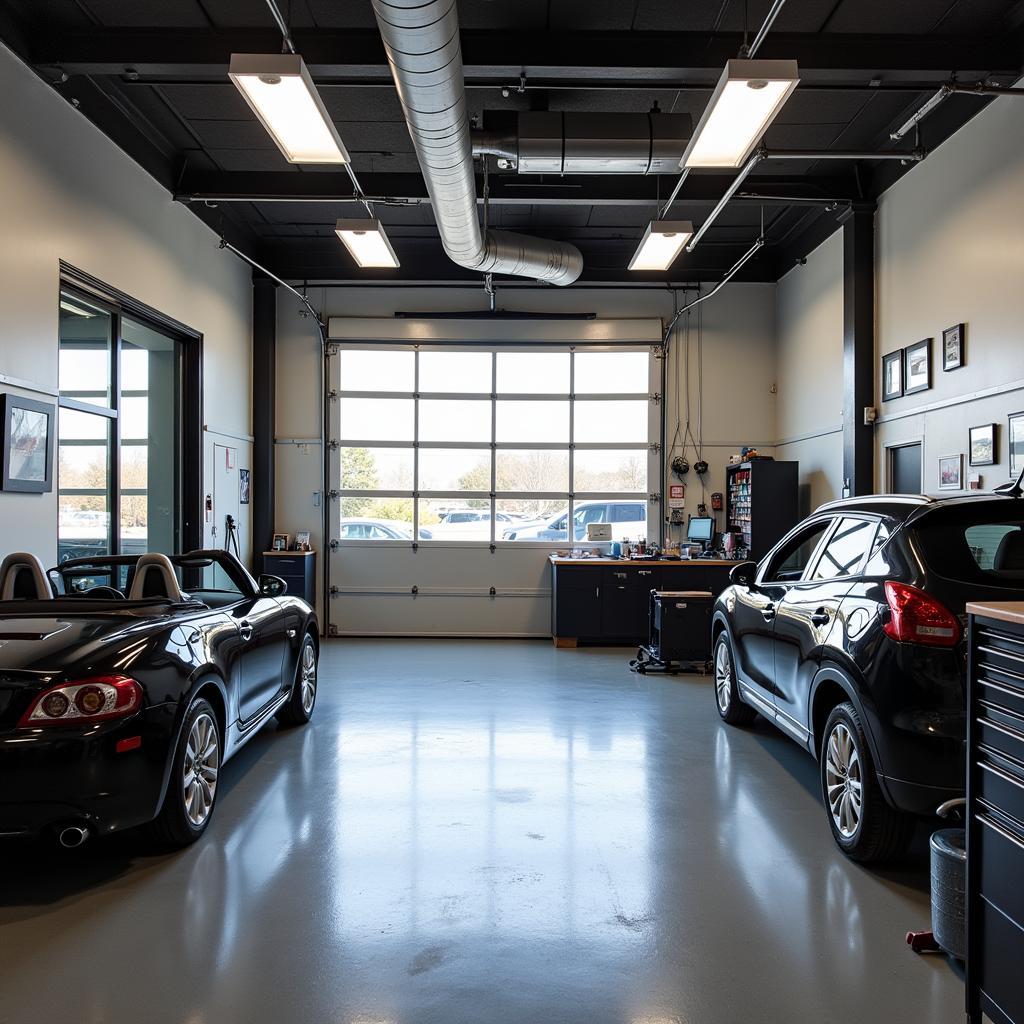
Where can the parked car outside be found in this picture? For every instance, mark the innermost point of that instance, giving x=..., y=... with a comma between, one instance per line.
x=849, y=636
x=467, y=524
x=627, y=518
x=353, y=528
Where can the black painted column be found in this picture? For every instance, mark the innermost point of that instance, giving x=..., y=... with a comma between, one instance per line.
x=264, y=396
x=858, y=348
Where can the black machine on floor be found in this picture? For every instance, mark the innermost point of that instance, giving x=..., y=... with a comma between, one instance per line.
x=680, y=632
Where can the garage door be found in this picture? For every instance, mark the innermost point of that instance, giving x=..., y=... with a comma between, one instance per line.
x=461, y=458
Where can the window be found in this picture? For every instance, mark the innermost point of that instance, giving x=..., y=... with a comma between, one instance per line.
x=975, y=543
x=845, y=550
x=466, y=443
x=119, y=430
x=790, y=562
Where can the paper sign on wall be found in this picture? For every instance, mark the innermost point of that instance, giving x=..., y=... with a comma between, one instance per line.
x=229, y=458
x=676, y=496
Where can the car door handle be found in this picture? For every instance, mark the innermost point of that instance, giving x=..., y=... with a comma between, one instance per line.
x=768, y=611
x=245, y=628
x=820, y=617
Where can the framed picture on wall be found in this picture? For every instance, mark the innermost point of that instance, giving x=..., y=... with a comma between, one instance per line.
x=243, y=487
x=1016, y=442
x=951, y=472
x=953, y=347
x=28, y=428
x=892, y=375
x=982, y=447
x=917, y=367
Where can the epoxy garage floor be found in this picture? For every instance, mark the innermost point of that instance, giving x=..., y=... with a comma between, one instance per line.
x=482, y=832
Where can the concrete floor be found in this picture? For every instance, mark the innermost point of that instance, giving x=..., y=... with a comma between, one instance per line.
x=477, y=832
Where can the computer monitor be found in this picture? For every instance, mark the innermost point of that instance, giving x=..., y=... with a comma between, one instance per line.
x=701, y=530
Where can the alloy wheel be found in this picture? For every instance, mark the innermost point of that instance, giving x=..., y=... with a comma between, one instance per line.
x=843, y=781
x=307, y=680
x=202, y=765
x=723, y=678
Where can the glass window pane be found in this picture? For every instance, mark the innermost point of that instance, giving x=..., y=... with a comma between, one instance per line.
x=533, y=373
x=527, y=518
x=531, y=422
x=135, y=506
x=385, y=469
x=376, y=419
x=85, y=345
x=520, y=469
x=134, y=419
x=373, y=370
x=455, y=469
x=455, y=420
x=376, y=519
x=628, y=519
x=83, y=467
x=612, y=373
x=605, y=422
x=610, y=470
x=845, y=550
x=462, y=372
x=455, y=519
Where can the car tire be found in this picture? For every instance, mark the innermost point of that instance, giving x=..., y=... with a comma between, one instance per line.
x=192, y=788
x=730, y=705
x=865, y=827
x=299, y=708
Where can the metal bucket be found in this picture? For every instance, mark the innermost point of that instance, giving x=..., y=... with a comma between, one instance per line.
x=949, y=889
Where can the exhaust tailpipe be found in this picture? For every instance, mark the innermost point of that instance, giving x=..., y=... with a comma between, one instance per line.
x=72, y=836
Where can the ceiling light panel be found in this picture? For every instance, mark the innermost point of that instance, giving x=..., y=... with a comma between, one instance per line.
x=661, y=244
x=746, y=100
x=281, y=93
x=368, y=243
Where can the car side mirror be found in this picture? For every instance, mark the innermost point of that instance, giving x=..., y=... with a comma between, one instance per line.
x=744, y=574
x=272, y=586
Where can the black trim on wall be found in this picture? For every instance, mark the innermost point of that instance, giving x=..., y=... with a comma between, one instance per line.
x=264, y=398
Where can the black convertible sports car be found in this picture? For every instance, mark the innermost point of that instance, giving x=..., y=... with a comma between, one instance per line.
x=126, y=682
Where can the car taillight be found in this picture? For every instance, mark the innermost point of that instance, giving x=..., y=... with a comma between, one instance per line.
x=917, y=618
x=88, y=700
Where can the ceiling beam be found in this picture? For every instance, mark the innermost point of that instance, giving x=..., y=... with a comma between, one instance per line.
x=687, y=56
x=508, y=190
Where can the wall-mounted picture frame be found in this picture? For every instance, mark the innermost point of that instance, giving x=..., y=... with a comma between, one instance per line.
x=951, y=472
x=917, y=367
x=243, y=487
x=1015, y=439
x=953, y=348
x=302, y=540
x=981, y=450
x=892, y=375
x=280, y=542
x=29, y=429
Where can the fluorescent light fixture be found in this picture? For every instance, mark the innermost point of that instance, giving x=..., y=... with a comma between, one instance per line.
x=661, y=244
x=282, y=95
x=70, y=307
x=746, y=100
x=367, y=242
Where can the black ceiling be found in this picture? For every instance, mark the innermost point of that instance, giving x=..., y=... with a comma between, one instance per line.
x=152, y=74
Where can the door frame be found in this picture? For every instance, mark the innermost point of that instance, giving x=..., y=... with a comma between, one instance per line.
x=890, y=447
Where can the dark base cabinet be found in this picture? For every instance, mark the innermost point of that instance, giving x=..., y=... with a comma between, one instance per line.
x=995, y=813
x=608, y=600
x=297, y=569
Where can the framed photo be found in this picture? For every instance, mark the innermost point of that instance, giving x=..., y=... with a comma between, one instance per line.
x=917, y=367
x=243, y=487
x=892, y=375
x=953, y=347
x=982, y=448
x=280, y=542
x=951, y=472
x=29, y=429
x=1016, y=443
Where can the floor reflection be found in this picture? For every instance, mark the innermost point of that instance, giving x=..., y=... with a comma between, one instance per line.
x=479, y=832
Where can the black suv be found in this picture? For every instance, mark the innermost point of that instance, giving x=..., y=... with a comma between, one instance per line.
x=849, y=636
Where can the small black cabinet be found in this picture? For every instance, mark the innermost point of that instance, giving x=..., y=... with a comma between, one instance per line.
x=761, y=503
x=296, y=568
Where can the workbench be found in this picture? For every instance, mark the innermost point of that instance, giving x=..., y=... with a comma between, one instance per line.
x=606, y=600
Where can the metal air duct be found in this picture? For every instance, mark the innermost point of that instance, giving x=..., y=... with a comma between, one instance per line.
x=422, y=44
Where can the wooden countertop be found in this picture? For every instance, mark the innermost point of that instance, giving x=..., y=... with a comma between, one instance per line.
x=555, y=560
x=1008, y=611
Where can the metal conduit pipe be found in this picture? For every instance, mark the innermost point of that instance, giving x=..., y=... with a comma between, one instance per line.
x=978, y=89
x=422, y=44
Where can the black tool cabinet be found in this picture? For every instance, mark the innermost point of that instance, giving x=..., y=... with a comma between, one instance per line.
x=761, y=503
x=296, y=568
x=608, y=600
x=995, y=814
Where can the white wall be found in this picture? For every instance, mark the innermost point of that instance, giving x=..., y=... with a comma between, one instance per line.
x=738, y=371
x=809, y=333
x=950, y=249
x=70, y=194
